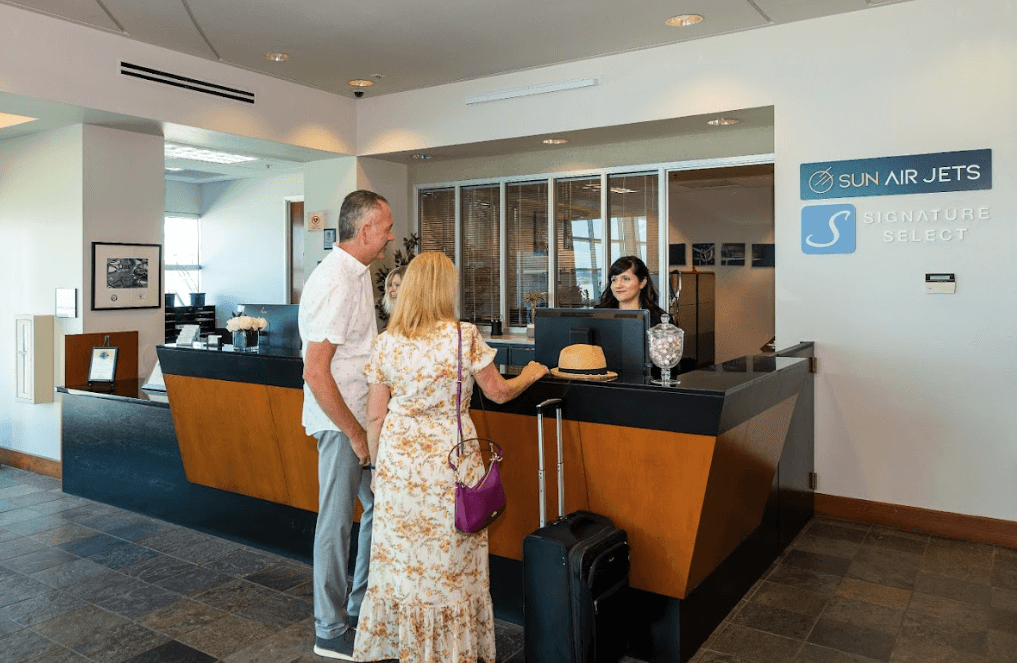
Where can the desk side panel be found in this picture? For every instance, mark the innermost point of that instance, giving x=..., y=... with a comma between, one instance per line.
x=227, y=436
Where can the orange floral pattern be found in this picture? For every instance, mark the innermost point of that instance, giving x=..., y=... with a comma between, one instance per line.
x=428, y=596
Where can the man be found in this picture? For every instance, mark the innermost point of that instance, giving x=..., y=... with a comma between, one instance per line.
x=337, y=325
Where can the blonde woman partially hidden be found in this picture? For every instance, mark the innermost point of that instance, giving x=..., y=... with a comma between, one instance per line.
x=392, y=283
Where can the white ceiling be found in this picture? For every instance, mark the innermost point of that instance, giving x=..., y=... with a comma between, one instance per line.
x=413, y=44
x=400, y=44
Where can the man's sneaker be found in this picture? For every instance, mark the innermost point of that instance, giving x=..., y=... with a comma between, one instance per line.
x=340, y=647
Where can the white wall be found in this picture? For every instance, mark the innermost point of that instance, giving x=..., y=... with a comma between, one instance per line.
x=183, y=198
x=914, y=392
x=124, y=198
x=40, y=232
x=244, y=230
x=744, y=296
x=74, y=64
x=326, y=183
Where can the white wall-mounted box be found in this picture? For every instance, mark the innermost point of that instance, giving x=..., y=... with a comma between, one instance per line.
x=34, y=358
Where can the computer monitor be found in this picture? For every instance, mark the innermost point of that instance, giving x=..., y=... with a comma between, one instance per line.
x=282, y=336
x=621, y=333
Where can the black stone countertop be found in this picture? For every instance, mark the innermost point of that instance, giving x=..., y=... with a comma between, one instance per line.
x=705, y=401
x=129, y=390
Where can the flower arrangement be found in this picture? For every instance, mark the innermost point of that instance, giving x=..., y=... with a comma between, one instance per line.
x=532, y=298
x=245, y=323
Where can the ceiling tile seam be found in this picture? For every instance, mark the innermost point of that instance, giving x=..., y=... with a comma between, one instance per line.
x=117, y=23
x=201, y=32
x=761, y=12
x=26, y=8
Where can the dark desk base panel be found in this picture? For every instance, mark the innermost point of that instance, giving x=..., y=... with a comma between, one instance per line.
x=125, y=454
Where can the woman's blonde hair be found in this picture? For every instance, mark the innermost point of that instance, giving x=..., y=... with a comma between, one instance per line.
x=427, y=295
x=386, y=301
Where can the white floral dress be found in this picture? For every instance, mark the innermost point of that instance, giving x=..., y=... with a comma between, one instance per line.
x=428, y=597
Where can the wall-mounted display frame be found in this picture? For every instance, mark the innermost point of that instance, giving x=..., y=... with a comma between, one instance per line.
x=732, y=254
x=704, y=253
x=676, y=255
x=763, y=255
x=126, y=276
x=329, y=238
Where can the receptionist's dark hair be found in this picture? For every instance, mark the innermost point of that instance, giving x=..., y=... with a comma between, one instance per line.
x=647, y=296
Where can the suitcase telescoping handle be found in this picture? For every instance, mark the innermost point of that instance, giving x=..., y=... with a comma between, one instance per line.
x=556, y=404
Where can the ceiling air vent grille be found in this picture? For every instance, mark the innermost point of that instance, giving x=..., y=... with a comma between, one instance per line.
x=166, y=78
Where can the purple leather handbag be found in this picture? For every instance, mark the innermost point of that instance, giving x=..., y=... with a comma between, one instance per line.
x=476, y=506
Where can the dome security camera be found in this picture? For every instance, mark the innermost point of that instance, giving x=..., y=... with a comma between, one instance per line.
x=358, y=93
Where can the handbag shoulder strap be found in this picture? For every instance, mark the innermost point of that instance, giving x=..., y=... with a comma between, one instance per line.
x=459, y=384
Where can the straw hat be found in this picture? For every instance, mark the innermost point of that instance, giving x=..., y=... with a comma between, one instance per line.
x=583, y=362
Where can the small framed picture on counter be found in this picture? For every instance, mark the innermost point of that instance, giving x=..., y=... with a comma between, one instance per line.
x=103, y=365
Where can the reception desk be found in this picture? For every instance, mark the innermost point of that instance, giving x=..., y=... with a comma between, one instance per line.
x=710, y=478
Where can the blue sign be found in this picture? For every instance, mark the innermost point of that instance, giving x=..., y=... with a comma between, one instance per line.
x=828, y=229
x=894, y=176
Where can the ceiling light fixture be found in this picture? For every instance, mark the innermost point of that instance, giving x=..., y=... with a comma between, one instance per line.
x=684, y=20
x=173, y=170
x=722, y=122
x=555, y=141
x=276, y=57
x=360, y=82
x=208, y=156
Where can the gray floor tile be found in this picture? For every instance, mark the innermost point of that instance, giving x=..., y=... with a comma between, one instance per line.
x=40, y=523
x=121, y=554
x=241, y=562
x=281, y=576
x=63, y=534
x=158, y=568
x=37, y=561
x=69, y=572
x=24, y=645
x=172, y=652
x=194, y=581
x=42, y=607
x=140, y=601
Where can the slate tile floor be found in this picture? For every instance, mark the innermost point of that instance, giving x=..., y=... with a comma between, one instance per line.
x=82, y=581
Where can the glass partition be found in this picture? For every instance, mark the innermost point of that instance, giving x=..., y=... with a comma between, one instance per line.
x=480, y=272
x=632, y=207
x=526, y=239
x=579, y=236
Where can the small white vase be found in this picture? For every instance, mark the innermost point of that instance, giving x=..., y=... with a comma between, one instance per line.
x=529, y=330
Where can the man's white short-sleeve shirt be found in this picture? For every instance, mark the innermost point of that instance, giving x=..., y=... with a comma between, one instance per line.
x=337, y=305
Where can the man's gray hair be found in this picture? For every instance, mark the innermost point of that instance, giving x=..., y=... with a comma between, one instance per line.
x=355, y=208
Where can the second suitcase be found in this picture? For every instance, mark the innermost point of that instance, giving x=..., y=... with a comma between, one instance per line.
x=575, y=581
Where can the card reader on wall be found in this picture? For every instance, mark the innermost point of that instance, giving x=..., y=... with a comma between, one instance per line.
x=940, y=284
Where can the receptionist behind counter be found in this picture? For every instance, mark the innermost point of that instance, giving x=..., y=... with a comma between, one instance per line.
x=630, y=287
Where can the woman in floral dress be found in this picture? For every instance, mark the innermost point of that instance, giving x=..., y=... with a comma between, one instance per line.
x=428, y=597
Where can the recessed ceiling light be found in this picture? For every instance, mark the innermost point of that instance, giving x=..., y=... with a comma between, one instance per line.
x=555, y=141
x=422, y=157
x=276, y=57
x=684, y=20
x=207, y=156
x=173, y=170
x=722, y=122
x=360, y=82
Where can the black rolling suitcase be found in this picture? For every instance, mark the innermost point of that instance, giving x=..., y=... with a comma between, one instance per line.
x=575, y=579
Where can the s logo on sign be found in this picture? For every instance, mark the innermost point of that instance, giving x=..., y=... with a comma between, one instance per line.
x=828, y=229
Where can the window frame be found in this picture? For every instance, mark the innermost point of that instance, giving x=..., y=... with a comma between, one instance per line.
x=662, y=169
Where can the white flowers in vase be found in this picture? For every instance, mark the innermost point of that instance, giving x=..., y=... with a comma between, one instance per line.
x=246, y=323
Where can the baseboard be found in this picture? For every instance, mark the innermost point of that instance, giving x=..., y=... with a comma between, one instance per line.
x=30, y=463
x=940, y=523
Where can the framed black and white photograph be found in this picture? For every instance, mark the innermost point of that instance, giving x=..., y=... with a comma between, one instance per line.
x=126, y=276
x=762, y=255
x=676, y=255
x=103, y=365
x=732, y=254
x=703, y=254
x=329, y=238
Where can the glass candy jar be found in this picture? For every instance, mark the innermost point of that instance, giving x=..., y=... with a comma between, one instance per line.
x=666, y=343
